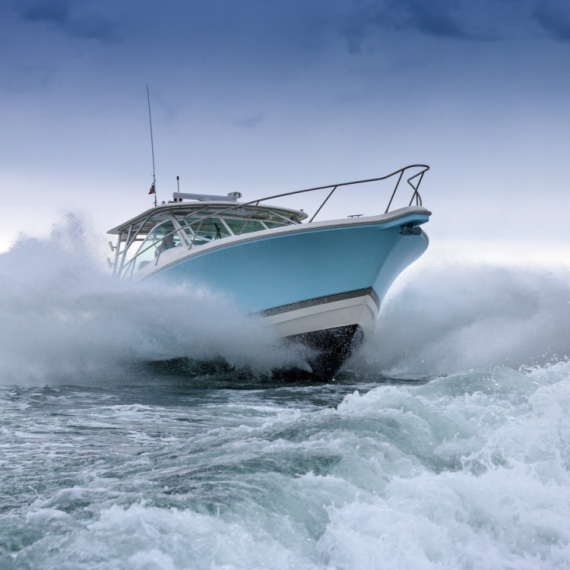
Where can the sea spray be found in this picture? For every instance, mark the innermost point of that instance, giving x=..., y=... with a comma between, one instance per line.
x=64, y=318
x=459, y=316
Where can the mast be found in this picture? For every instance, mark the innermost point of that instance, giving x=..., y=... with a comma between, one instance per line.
x=151, y=144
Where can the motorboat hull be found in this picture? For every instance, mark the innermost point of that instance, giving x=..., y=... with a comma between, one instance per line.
x=319, y=284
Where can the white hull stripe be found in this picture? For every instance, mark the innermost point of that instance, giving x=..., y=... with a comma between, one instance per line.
x=369, y=291
x=338, y=311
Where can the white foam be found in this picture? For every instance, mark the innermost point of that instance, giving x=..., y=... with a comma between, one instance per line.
x=467, y=471
x=64, y=318
x=461, y=316
x=505, y=503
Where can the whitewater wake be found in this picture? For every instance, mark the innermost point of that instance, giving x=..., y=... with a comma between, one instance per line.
x=470, y=471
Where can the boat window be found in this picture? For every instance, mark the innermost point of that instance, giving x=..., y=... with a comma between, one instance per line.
x=272, y=225
x=208, y=230
x=237, y=225
x=156, y=243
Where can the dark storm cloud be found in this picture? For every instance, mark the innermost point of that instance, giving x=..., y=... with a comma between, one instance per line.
x=365, y=20
x=438, y=18
x=554, y=17
x=55, y=11
x=292, y=27
x=66, y=16
x=435, y=19
x=456, y=19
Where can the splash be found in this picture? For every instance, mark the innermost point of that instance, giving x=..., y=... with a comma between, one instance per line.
x=460, y=316
x=470, y=471
x=65, y=318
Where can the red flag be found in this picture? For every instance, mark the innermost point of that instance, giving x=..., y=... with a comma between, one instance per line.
x=151, y=191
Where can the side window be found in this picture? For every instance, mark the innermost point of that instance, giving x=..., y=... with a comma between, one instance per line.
x=237, y=225
x=272, y=225
x=159, y=240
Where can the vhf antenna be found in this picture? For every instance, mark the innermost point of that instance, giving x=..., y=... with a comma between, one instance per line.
x=151, y=144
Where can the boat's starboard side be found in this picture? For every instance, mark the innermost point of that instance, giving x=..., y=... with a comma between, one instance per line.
x=412, y=215
x=319, y=283
x=293, y=265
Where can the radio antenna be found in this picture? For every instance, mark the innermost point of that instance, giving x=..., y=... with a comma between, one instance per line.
x=151, y=144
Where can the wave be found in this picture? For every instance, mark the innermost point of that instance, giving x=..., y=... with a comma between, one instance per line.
x=470, y=471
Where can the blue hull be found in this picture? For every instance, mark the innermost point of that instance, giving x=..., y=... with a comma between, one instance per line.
x=274, y=270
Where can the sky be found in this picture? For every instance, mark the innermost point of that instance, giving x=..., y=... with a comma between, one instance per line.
x=269, y=96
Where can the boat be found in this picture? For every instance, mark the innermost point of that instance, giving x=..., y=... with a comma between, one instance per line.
x=316, y=282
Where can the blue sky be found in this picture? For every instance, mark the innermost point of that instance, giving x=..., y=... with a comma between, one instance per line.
x=267, y=96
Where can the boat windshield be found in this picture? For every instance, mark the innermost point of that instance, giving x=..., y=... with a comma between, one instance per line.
x=205, y=230
x=271, y=225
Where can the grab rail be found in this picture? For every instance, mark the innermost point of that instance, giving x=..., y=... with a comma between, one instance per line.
x=415, y=196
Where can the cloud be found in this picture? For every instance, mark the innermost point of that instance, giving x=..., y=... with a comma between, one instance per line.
x=55, y=11
x=436, y=18
x=361, y=21
x=65, y=16
x=554, y=17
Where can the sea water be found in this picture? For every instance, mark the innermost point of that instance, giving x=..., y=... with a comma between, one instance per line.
x=444, y=444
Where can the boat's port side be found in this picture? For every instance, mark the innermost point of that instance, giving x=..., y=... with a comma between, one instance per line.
x=319, y=283
x=397, y=219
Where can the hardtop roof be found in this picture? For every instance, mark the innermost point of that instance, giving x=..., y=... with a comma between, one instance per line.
x=154, y=215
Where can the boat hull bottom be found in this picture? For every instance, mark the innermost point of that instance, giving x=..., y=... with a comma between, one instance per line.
x=329, y=349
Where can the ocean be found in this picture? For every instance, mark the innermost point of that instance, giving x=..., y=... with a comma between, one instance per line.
x=443, y=444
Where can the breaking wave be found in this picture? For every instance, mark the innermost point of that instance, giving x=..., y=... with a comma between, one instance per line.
x=470, y=471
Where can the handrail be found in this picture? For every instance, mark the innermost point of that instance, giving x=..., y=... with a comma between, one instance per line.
x=248, y=218
x=321, y=206
x=415, y=195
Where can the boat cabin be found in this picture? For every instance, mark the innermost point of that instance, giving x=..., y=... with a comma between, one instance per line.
x=189, y=224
